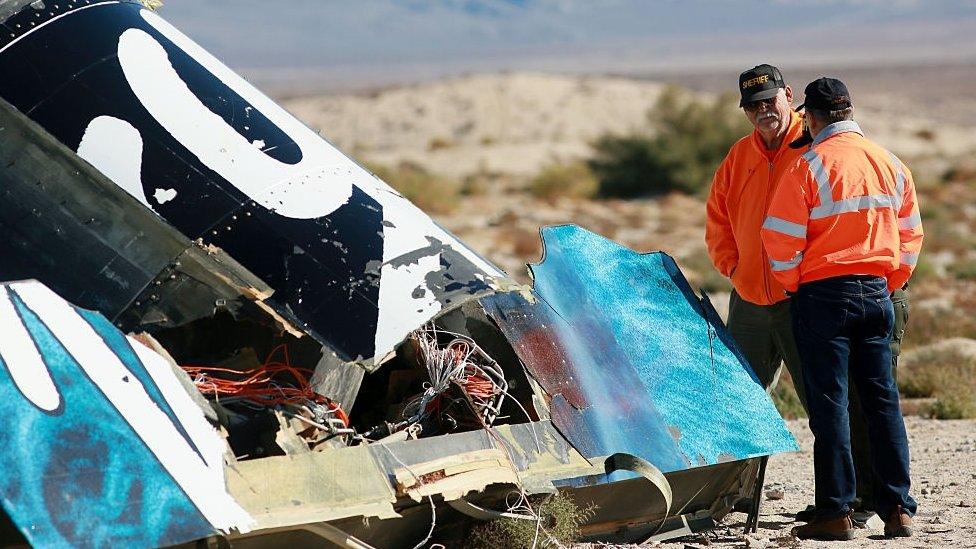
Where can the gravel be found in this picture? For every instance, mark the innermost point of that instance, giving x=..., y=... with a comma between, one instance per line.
x=944, y=484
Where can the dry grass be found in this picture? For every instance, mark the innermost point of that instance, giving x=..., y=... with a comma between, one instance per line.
x=941, y=309
x=574, y=180
x=560, y=523
x=785, y=399
x=439, y=143
x=430, y=192
x=945, y=373
x=948, y=208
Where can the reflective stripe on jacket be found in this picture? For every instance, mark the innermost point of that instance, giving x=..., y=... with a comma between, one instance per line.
x=846, y=207
x=740, y=193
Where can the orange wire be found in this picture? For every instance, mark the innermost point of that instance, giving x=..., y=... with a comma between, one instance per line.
x=255, y=383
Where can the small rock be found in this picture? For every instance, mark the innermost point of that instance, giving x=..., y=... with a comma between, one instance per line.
x=938, y=529
x=756, y=543
x=775, y=494
x=875, y=522
x=925, y=491
x=965, y=503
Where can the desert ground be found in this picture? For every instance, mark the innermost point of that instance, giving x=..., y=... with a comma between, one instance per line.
x=943, y=472
x=486, y=136
x=945, y=487
x=515, y=123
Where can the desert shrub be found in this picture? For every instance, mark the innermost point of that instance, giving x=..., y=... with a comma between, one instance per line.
x=963, y=171
x=686, y=140
x=953, y=406
x=963, y=270
x=573, y=180
x=474, y=186
x=483, y=179
x=946, y=374
x=934, y=323
x=785, y=399
x=628, y=166
x=430, y=192
x=561, y=521
x=916, y=383
x=438, y=143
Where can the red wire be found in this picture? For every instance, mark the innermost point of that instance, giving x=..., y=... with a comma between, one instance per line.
x=255, y=383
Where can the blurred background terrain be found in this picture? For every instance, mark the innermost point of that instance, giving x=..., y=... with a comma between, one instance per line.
x=499, y=117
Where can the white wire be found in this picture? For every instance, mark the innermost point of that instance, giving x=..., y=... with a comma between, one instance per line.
x=442, y=371
x=430, y=498
x=444, y=367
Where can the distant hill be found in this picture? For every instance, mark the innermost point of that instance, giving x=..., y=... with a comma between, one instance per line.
x=316, y=44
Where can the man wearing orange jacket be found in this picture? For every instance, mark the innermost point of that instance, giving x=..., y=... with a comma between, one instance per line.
x=842, y=232
x=759, y=313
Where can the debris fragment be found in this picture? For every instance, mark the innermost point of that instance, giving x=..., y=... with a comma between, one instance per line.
x=436, y=376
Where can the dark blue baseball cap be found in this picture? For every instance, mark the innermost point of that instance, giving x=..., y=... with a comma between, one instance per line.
x=826, y=94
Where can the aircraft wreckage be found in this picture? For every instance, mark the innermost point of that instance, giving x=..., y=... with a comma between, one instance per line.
x=216, y=326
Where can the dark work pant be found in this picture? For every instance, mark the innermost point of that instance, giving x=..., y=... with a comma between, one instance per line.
x=765, y=335
x=860, y=445
x=843, y=327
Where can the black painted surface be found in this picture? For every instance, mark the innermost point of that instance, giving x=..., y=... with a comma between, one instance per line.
x=65, y=225
x=325, y=271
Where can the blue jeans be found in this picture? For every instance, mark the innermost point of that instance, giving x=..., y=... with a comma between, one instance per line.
x=843, y=328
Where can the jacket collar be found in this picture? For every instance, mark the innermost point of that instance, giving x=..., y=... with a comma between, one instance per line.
x=844, y=126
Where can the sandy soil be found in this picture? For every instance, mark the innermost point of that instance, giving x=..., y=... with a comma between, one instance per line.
x=511, y=123
x=944, y=478
x=943, y=474
x=515, y=123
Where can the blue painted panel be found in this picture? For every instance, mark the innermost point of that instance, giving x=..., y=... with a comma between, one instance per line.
x=80, y=476
x=636, y=362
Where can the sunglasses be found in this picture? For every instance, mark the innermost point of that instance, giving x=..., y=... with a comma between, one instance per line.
x=754, y=106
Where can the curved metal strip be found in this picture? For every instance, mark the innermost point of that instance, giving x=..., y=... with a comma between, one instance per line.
x=628, y=462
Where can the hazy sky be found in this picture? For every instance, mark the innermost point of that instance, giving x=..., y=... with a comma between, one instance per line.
x=411, y=39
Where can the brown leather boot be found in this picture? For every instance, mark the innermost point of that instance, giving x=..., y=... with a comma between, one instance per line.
x=833, y=529
x=899, y=524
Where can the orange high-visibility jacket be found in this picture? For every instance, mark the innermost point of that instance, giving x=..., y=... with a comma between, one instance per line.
x=846, y=207
x=737, y=202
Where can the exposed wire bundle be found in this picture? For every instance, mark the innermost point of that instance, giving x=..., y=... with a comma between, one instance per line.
x=272, y=384
x=461, y=362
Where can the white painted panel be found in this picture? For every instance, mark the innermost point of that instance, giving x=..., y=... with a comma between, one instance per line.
x=114, y=147
x=212, y=448
x=313, y=188
x=127, y=394
x=316, y=186
x=23, y=360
